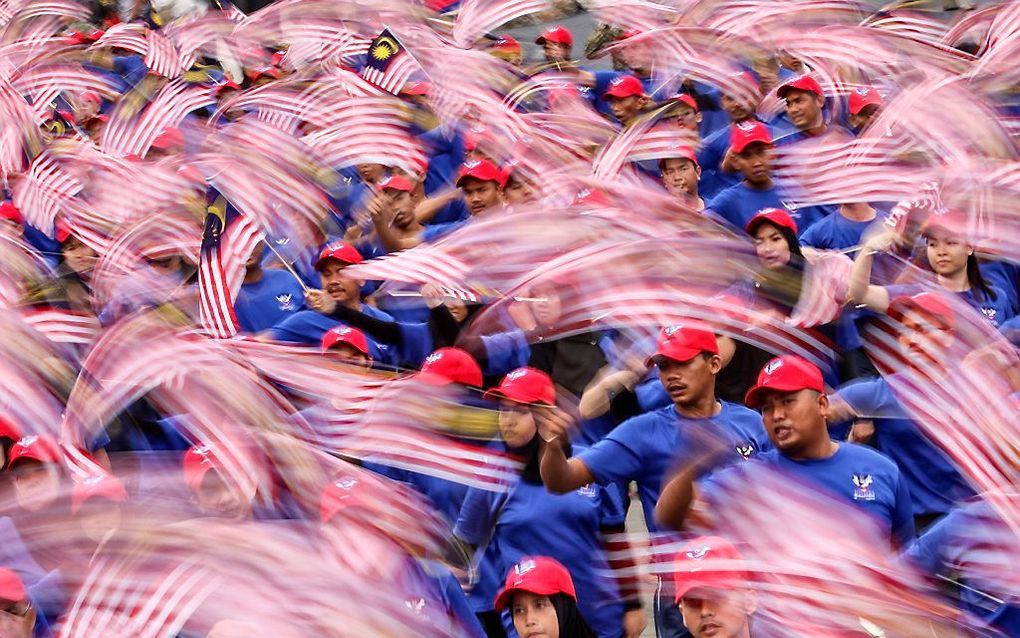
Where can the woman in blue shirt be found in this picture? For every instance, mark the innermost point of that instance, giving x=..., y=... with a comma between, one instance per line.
x=528, y=520
x=947, y=255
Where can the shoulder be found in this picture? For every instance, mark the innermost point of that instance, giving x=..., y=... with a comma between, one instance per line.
x=643, y=424
x=726, y=196
x=375, y=313
x=865, y=456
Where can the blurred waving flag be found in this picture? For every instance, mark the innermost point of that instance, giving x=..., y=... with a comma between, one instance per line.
x=227, y=241
x=389, y=65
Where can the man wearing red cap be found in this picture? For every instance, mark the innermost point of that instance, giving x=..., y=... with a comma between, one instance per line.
x=712, y=589
x=309, y=326
x=393, y=214
x=645, y=448
x=680, y=174
x=751, y=152
x=505, y=47
x=791, y=396
x=719, y=171
x=925, y=337
x=863, y=105
x=805, y=103
x=556, y=42
x=348, y=344
x=626, y=98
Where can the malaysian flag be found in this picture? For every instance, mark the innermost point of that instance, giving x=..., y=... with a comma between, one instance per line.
x=228, y=239
x=389, y=65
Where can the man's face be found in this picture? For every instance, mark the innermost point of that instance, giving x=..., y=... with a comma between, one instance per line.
x=923, y=340
x=862, y=120
x=755, y=162
x=349, y=354
x=548, y=310
x=165, y=265
x=804, y=109
x=370, y=173
x=689, y=382
x=255, y=258
x=36, y=485
x=78, y=257
x=794, y=421
x=342, y=289
x=625, y=109
x=738, y=111
x=17, y=618
x=216, y=496
x=479, y=195
x=518, y=192
x=686, y=118
x=403, y=208
x=680, y=176
x=555, y=52
x=717, y=613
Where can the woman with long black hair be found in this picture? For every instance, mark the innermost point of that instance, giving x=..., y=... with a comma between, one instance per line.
x=539, y=593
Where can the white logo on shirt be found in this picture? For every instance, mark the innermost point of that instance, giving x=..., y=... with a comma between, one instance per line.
x=588, y=490
x=285, y=301
x=862, y=489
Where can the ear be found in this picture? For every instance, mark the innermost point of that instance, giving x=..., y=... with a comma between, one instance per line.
x=715, y=364
x=823, y=402
x=751, y=602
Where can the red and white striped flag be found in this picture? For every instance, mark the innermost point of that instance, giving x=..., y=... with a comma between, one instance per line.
x=389, y=65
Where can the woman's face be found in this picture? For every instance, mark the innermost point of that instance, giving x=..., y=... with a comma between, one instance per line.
x=534, y=616
x=36, y=485
x=79, y=257
x=548, y=309
x=947, y=254
x=457, y=308
x=516, y=424
x=771, y=247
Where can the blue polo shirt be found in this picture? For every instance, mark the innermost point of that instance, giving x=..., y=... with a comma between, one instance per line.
x=974, y=545
x=714, y=180
x=935, y=485
x=309, y=326
x=529, y=521
x=997, y=310
x=648, y=447
x=267, y=302
x=1006, y=276
x=739, y=203
x=855, y=473
x=836, y=232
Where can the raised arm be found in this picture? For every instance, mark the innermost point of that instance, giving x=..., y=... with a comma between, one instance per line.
x=861, y=290
x=559, y=474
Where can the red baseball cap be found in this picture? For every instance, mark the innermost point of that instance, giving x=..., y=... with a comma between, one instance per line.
x=525, y=385
x=34, y=447
x=11, y=588
x=953, y=221
x=624, y=85
x=100, y=485
x=557, y=34
x=804, y=83
x=742, y=134
x=481, y=169
x=170, y=137
x=680, y=151
x=450, y=365
x=8, y=430
x=344, y=492
x=397, y=183
x=683, y=342
x=684, y=98
x=345, y=334
x=9, y=211
x=506, y=44
x=340, y=251
x=774, y=216
x=725, y=569
x=539, y=575
x=61, y=232
x=198, y=460
x=788, y=373
x=930, y=304
x=863, y=96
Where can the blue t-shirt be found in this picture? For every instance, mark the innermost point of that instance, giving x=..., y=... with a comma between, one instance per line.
x=835, y=232
x=505, y=351
x=267, y=302
x=1006, y=276
x=530, y=521
x=432, y=232
x=714, y=180
x=446, y=496
x=935, y=485
x=739, y=203
x=997, y=310
x=309, y=326
x=973, y=545
x=647, y=447
x=854, y=473
x=1011, y=330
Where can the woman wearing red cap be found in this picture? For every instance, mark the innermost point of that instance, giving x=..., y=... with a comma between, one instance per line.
x=539, y=593
x=529, y=520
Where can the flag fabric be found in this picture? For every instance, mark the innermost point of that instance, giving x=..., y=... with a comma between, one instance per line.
x=389, y=65
x=228, y=239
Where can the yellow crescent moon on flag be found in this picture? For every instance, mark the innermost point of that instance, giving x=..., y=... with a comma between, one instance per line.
x=384, y=48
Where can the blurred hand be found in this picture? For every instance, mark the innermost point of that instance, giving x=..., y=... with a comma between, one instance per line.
x=320, y=301
x=522, y=316
x=862, y=431
x=433, y=295
x=634, y=622
x=553, y=423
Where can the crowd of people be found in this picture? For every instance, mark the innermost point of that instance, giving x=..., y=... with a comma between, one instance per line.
x=368, y=319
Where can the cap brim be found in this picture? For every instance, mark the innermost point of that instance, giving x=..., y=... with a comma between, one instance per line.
x=682, y=355
x=496, y=393
x=430, y=378
x=504, y=596
x=325, y=259
x=723, y=582
x=753, y=398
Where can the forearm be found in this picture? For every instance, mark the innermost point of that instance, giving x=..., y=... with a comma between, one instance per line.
x=558, y=473
x=675, y=499
x=860, y=276
x=427, y=209
x=382, y=331
x=596, y=400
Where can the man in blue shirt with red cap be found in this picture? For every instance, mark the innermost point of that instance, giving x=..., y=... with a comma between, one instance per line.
x=751, y=151
x=648, y=447
x=791, y=396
